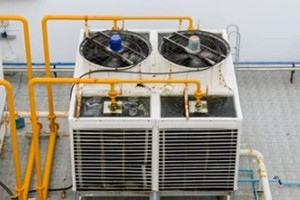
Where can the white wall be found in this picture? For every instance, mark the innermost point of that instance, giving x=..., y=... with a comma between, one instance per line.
x=270, y=28
x=2, y=91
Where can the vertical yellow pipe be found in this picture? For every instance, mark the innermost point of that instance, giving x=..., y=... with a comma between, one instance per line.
x=28, y=172
x=48, y=162
x=19, y=187
x=53, y=131
x=115, y=25
x=37, y=156
x=115, y=19
x=113, y=94
x=27, y=48
x=26, y=39
x=30, y=161
x=14, y=138
x=48, y=73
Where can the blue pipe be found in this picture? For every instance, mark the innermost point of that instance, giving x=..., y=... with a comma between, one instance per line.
x=269, y=63
x=240, y=63
x=251, y=171
x=39, y=64
x=255, y=180
x=246, y=170
x=254, y=186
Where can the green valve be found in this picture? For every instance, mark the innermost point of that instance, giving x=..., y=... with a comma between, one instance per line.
x=20, y=122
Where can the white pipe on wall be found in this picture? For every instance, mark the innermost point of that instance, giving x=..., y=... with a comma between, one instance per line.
x=262, y=170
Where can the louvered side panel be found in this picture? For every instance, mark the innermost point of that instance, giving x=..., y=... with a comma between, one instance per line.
x=197, y=160
x=118, y=160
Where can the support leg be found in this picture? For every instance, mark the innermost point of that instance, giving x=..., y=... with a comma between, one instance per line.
x=232, y=196
x=76, y=196
x=155, y=196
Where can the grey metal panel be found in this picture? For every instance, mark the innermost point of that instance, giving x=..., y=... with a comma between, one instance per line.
x=112, y=160
x=197, y=159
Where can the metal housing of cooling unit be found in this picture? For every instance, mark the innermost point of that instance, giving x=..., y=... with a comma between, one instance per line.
x=95, y=53
x=209, y=50
x=209, y=59
x=95, y=49
x=157, y=141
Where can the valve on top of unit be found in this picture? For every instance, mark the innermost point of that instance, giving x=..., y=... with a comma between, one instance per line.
x=115, y=49
x=194, y=49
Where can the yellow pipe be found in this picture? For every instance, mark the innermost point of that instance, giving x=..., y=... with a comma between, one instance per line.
x=112, y=93
x=30, y=161
x=29, y=167
x=90, y=17
x=47, y=53
x=112, y=82
x=179, y=18
x=43, y=184
x=48, y=74
x=26, y=39
x=28, y=172
x=14, y=138
x=24, y=21
x=48, y=162
x=35, y=139
x=115, y=25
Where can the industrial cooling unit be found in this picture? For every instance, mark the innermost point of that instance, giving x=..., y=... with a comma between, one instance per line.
x=157, y=137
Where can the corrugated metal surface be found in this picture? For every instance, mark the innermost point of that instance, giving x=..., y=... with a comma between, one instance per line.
x=112, y=159
x=197, y=159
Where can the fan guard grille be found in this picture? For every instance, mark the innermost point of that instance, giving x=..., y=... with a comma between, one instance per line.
x=96, y=49
x=213, y=49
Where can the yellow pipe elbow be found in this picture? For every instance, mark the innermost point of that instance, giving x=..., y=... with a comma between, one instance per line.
x=14, y=138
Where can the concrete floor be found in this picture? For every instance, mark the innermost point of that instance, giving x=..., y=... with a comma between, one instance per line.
x=271, y=110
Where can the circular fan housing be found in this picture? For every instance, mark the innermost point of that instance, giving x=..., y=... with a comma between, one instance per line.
x=97, y=49
x=179, y=48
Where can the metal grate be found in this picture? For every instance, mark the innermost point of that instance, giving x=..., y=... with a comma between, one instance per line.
x=112, y=160
x=213, y=49
x=135, y=48
x=197, y=159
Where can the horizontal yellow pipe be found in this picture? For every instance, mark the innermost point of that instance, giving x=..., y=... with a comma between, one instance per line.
x=81, y=17
x=180, y=18
x=113, y=81
x=90, y=17
x=26, y=39
x=117, y=18
x=43, y=185
x=14, y=138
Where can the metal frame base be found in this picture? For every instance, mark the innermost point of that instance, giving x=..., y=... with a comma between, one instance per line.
x=154, y=195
